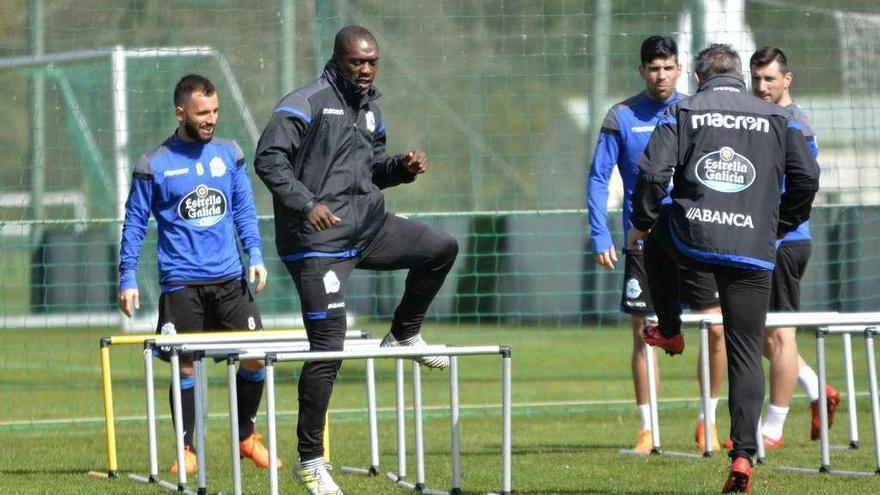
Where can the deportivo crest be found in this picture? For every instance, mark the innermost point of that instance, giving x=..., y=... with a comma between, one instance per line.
x=203, y=207
x=217, y=166
x=633, y=289
x=331, y=282
x=725, y=171
x=168, y=329
x=371, y=121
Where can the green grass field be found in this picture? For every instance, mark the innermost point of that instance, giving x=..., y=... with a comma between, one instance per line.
x=573, y=411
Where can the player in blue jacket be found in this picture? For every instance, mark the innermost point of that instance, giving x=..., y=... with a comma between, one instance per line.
x=622, y=141
x=197, y=188
x=771, y=79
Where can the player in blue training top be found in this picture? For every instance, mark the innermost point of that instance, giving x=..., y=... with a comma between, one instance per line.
x=771, y=79
x=622, y=141
x=197, y=188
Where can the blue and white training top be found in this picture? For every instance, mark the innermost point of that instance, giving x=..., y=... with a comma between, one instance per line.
x=800, y=120
x=201, y=196
x=622, y=141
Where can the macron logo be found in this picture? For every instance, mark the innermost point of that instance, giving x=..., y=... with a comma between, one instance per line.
x=642, y=128
x=720, y=217
x=743, y=122
x=333, y=111
x=177, y=171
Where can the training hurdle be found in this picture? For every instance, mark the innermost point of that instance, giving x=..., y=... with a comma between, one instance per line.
x=414, y=352
x=774, y=320
x=354, y=350
x=231, y=351
x=846, y=331
x=139, y=339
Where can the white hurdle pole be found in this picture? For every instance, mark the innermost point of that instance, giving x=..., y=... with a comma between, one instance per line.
x=652, y=398
x=153, y=476
x=705, y=386
x=759, y=437
x=821, y=364
x=872, y=387
x=270, y=424
x=454, y=429
x=373, y=469
x=151, y=415
x=849, y=326
x=371, y=412
x=199, y=400
x=851, y=411
x=506, y=434
x=233, y=425
x=417, y=426
x=400, y=476
x=178, y=419
x=652, y=405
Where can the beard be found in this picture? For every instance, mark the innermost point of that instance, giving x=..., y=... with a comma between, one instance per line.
x=193, y=132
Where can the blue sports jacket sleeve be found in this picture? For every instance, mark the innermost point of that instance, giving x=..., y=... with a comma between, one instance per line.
x=134, y=227
x=801, y=182
x=655, y=171
x=605, y=157
x=244, y=214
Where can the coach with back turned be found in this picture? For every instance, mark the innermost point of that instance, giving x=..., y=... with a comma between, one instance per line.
x=727, y=154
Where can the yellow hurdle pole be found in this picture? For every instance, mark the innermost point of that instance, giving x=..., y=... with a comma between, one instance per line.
x=139, y=339
x=109, y=425
x=214, y=336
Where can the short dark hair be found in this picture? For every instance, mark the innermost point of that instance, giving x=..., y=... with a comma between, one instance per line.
x=718, y=59
x=655, y=47
x=188, y=85
x=347, y=35
x=766, y=56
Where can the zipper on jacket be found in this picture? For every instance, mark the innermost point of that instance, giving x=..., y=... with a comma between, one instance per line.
x=351, y=190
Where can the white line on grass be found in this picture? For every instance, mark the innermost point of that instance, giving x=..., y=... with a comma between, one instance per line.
x=58, y=368
x=519, y=405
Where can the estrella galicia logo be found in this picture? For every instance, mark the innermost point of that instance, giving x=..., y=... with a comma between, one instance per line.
x=203, y=207
x=725, y=171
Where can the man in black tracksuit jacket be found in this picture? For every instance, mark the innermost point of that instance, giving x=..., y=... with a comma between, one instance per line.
x=322, y=155
x=726, y=153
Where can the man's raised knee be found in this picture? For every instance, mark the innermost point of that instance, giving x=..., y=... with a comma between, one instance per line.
x=448, y=248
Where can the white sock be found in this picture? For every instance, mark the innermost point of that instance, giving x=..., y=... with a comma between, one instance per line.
x=312, y=463
x=713, y=405
x=809, y=381
x=645, y=413
x=774, y=420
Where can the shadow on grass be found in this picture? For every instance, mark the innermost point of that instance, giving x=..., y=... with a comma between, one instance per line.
x=27, y=472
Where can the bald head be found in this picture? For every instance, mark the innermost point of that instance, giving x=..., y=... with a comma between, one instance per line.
x=349, y=38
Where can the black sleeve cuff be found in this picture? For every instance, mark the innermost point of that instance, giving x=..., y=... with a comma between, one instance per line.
x=304, y=212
